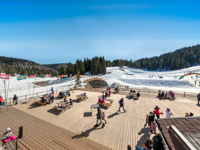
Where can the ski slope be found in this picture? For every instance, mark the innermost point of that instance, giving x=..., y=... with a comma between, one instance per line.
x=166, y=80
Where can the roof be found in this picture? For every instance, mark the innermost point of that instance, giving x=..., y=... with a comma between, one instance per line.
x=180, y=133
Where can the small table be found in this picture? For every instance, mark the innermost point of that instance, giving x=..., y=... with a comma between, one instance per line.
x=94, y=106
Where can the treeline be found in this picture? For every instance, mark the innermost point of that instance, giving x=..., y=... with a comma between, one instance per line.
x=94, y=66
x=20, y=66
x=181, y=58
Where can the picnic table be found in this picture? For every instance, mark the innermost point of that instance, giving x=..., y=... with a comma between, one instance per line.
x=133, y=95
x=62, y=106
x=94, y=106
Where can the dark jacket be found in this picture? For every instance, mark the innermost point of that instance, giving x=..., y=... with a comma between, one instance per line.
x=158, y=144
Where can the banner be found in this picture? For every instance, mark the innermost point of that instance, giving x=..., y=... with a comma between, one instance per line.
x=47, y=75
x=4, y=76
x=32, y=76
x=22, y=77
x=42, y=76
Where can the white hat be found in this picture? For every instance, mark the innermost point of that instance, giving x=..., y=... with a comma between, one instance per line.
x=8, y=129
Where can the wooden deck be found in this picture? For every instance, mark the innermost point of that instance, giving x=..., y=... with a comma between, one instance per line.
x=121, y=129
x=42, y=135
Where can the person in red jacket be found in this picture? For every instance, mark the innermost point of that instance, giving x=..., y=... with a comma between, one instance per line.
x=1, y=100
x=157, y=112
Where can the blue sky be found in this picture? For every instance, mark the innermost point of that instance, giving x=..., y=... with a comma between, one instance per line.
x=61, y=31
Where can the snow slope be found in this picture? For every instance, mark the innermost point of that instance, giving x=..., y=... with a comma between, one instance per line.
x=168, y=80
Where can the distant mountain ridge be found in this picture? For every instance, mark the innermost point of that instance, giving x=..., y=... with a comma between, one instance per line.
x=56, y=66
x=21, y=66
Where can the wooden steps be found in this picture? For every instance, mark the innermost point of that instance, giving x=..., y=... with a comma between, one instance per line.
x=39, y=134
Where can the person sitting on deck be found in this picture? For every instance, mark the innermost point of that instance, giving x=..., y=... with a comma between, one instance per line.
x=138, y=94
x=131, y=91
x=65, y=99
x=172, y=95
x=84, y=94
x=162, y=94
x=43, y=99
x=71, y=102
x=159, y=94
x=7, y=136
x=166, y=95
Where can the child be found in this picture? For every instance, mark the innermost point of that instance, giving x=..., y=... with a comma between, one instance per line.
x=7, y=136
x=168, y=113
x=153, y=127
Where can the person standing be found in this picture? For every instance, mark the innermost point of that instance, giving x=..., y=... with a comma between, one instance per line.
x=158, y=142
x=121, y=104
x=15, y=98
x=198, y=98
x=168, y=113
x=99, y=117
x=52, y=90
x=157, y=112
x=1, y=100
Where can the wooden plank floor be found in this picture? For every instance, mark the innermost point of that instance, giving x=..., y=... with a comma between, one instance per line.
x=121, y=129
x=41, y=135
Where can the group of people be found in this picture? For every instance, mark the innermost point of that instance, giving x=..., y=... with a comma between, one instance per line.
x=15, y=99
x=150, y=119
x=133, y=92
x=101, y=100
x=162, y=95
x=156, y=143
x=106, y=93
x=70, y=101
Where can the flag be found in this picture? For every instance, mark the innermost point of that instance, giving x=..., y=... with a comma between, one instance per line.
x=47, y=75
x=70, y=75
x=65, y=76
x=4, y=76
x=43, y=76
x=32, y=76
x=60, y=76
x=22, y=77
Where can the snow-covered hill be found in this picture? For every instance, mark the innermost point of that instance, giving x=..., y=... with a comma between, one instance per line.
x=167, y=80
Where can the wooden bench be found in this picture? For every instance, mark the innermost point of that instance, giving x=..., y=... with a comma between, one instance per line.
x=39, y=103
x=11, y=145
x=81, y=97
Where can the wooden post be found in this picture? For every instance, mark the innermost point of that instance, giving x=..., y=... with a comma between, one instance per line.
x=139, y=90
x=149, y=90
x=25, y=98
x=37, y=95
x=184, y=95
x=10, y=100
